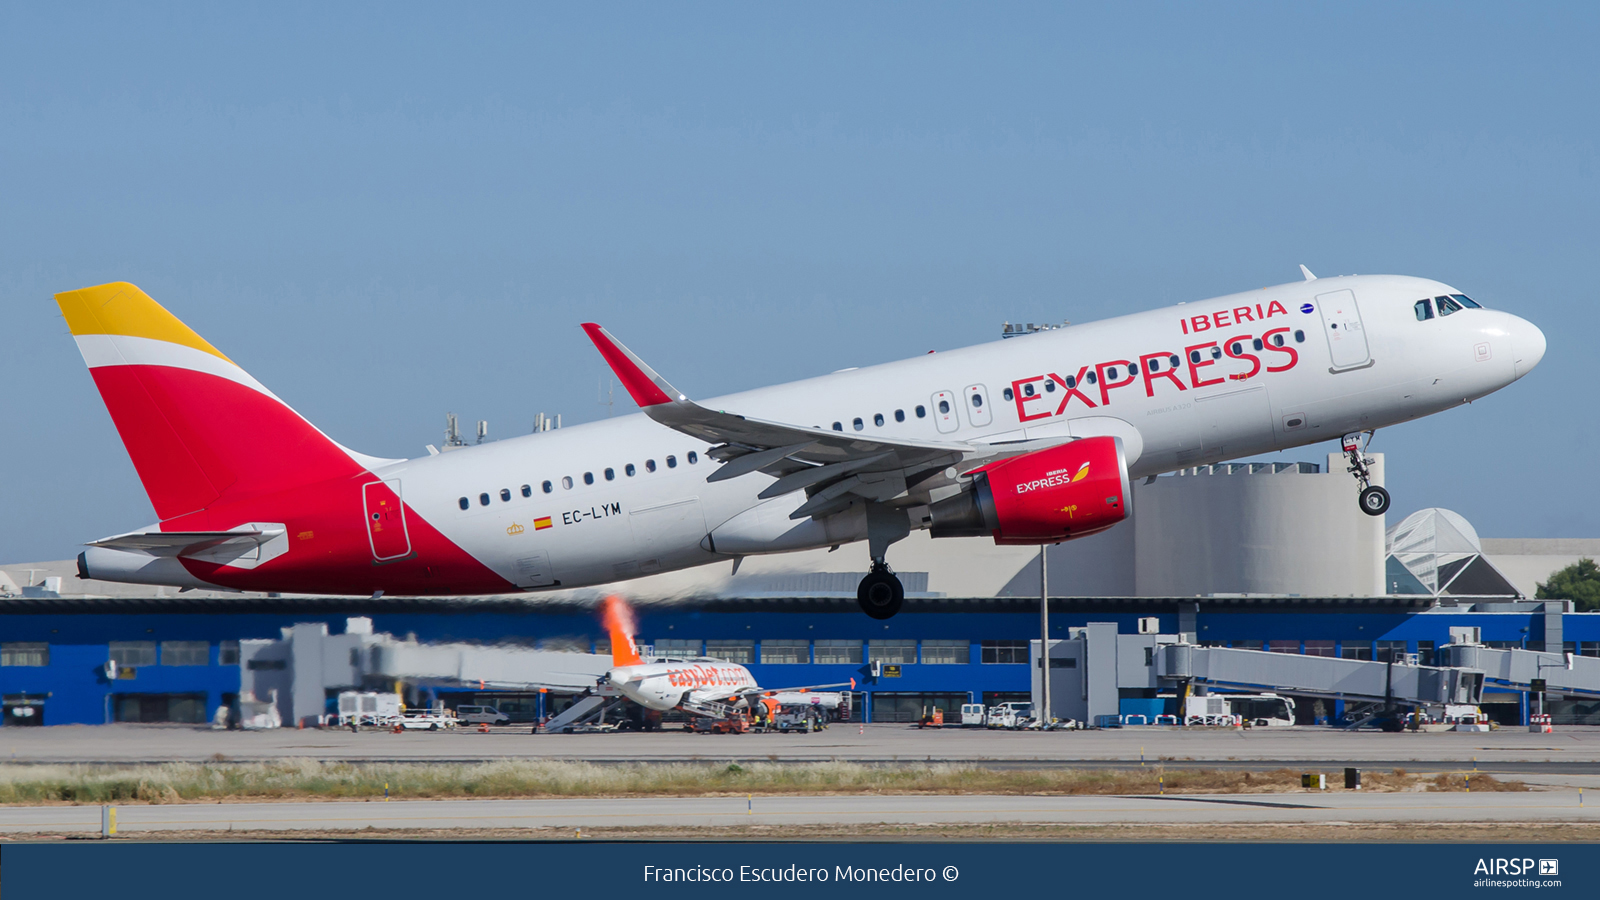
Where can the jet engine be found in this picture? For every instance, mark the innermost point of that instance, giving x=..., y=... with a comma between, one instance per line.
x=1064, y=492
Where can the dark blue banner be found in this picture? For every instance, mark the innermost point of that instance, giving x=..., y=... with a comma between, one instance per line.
x=126, y=870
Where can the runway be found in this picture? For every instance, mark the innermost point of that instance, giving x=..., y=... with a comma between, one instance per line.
x=1575, y=751
x=1289, y=808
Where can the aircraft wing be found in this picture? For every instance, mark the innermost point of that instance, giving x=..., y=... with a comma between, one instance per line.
x=759, y=691
x=831, y=466
x=851, y=684
x=186, y=543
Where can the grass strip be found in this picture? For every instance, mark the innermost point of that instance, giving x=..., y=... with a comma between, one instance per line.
x=309, y=779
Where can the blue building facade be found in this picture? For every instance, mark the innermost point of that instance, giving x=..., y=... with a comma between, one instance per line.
x=93, y=661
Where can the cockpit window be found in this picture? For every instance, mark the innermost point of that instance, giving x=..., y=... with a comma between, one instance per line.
x=1466, y=301
x=1447, y=306
x=1424, y=309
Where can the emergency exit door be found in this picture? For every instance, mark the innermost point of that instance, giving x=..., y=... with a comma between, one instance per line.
x=944, y=412
x=386, y=520
x=1341, y=324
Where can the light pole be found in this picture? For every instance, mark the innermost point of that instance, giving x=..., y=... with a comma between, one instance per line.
x=1044, y=635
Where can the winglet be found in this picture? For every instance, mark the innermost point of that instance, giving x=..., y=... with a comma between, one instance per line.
x=643, y=384
x=1307, y=273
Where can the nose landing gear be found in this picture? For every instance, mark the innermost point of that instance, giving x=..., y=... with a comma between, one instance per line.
x=1374, y=500
x=880, y=592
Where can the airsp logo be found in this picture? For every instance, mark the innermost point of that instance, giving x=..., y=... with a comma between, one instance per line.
x=1500, y=866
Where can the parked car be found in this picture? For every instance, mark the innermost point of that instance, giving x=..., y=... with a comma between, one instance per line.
x=481, y=715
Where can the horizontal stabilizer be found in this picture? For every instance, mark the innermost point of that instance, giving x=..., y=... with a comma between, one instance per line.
x=188, y=543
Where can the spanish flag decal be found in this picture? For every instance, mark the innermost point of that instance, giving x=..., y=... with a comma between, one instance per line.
x=541, y=523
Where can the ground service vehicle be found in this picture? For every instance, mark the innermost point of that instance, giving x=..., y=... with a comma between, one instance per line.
x=368, y=708
x=972, y=714
x=1011, y=715
x=481, y=715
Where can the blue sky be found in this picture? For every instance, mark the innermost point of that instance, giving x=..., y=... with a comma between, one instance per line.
x=386, y=212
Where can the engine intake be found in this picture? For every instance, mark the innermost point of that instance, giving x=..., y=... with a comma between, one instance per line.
x=1065, y=492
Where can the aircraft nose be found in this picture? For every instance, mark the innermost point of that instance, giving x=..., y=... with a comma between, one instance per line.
x=1527, y=346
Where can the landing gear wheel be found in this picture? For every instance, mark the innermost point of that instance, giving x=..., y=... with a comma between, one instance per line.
x=1374, y=501
x=880, y=594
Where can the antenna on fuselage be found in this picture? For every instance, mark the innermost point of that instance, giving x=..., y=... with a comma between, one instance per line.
x=1307, y=273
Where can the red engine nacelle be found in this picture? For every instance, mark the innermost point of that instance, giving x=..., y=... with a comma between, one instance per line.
x=1065, y=492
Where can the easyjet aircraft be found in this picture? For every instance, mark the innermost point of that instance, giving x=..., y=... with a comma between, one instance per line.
x=700, y=686
x=1027, y=441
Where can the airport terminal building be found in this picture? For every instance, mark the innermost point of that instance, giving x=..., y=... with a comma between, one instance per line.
x=1272, y=557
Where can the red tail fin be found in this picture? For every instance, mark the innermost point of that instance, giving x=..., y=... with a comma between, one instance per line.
x=618, y=619
x=198, y=427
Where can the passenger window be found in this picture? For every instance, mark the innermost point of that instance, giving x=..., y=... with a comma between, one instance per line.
x=1174, y=360
x=1277, y=340
x=1299, y=337
x=649, y=465
x=672, y=462
x=588, y=478
x=483, y=499
x=527, y=490
x=1194, y=356
x=877, y=419
x=944, y=407
x=465, y=503
x=1027, y=390
x=922, y=412
x=838, y=426
x=1072, y=382
x=505, y=495
x=1216, y=352
x=1133, y=368
x=1093, y=378
x=628, y=470
x=566, y=482
x=1007, y=394
x=1153, y=365
x=1466, y=301
x=856, y=423
x=1237, y=348
x=693, y=457
x=899, y=415
x=1050, y=385
x=1424, y=308
x=548, y=487
x=1447, y=306
x=977, y=401
x=1112, y=373
x=611, y=474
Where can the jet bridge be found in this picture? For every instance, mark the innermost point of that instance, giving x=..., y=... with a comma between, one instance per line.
x=1095, y=667
x=1562, y=673
x=1402, y=682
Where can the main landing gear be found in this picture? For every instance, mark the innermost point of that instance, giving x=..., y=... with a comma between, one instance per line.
x=880, y=593
x=1374, y=500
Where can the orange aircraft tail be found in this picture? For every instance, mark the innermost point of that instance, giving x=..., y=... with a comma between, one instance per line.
x=619, y=621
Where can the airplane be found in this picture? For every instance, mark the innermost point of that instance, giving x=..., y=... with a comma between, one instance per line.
x=1031, y=440
x=700, y=686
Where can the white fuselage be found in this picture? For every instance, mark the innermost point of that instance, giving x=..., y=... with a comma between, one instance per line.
x=665, y=683
x=625, y=497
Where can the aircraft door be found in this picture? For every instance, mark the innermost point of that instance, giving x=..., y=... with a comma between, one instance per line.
x=977, y=405
x=1341, y=324
x=944, y=411
x=386, y=520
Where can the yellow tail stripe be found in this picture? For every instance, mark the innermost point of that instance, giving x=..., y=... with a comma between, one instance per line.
x=120, y=308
